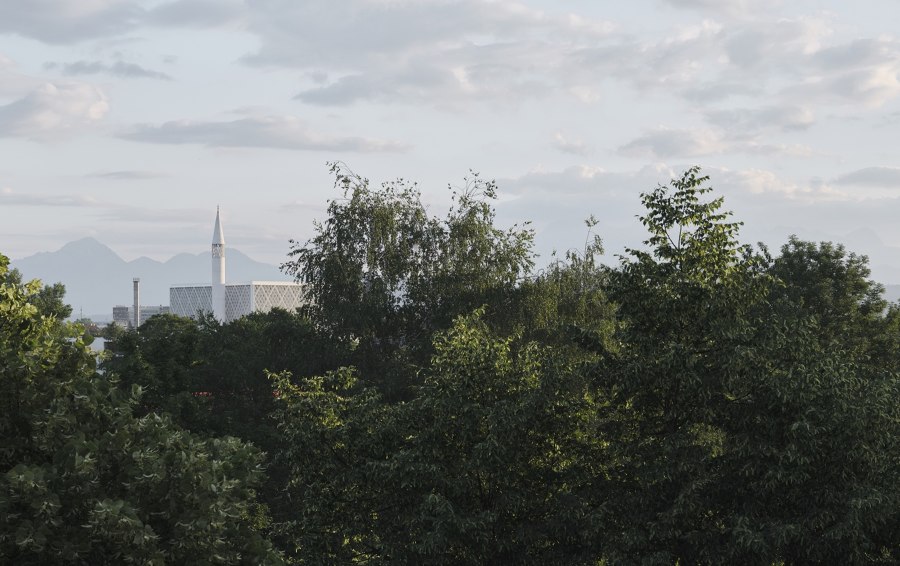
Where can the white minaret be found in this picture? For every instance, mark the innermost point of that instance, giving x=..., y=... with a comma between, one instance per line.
x=218, y=271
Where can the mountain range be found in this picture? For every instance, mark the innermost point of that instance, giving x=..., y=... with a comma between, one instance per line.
x=97, y=279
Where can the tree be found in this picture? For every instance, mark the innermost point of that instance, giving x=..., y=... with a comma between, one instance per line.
x=162, y=357
x=568, y=298
x=210, y=378
x=385, y=275
x=484, y=465
x=740, y=434
x=84, y=481
x=49, y=299
x=826, y=282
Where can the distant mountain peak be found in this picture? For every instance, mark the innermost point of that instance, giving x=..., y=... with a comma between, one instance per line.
x=86, y=242
x=97, y=278
x=87, y=246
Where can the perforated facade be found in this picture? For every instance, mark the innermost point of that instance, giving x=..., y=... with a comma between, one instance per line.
x=188, y=300
x=240, y=299
x=230, y=302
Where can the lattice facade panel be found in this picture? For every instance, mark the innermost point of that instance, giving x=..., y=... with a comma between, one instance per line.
x=266, y=296
x=238, y=301
x=188, y=300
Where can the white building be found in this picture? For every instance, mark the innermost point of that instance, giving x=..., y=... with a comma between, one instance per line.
x=228, y=302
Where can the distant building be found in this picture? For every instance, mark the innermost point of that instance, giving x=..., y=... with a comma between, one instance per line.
x=229, y=302
x=124, y=315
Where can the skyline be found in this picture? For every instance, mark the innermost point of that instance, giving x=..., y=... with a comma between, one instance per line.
x=130, y=121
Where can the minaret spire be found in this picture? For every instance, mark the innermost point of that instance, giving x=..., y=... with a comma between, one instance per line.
x=218, y=270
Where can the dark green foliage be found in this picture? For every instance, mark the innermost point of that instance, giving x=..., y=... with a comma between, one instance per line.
x=481, y=466
x=386, y=275
x=747, y=426
x=83, y=481
x=699, y=403
x=211, y=378
x=49, y=299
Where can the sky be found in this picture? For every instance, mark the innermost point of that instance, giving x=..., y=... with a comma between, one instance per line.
x=129, y=120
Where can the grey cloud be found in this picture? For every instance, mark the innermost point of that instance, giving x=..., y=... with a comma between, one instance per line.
x=557, y=201
x=861, y=52
x=750, y=120
x=566, y=145
x=771, y=207
x=869, y=86
x=729, y=7
x=443, y=53
x=435, y=53
x=667, y=143
x=125, y=175
x=872, y=177
x=712, y=92
x=197, y=13
x=65, y=21
x=53, y=110
x=13, y=83
x=278, y=132
x=12, y=198
x=127, y=213
x=71, y=21
x=776, y=44
x=664, y=143
x=117, y=69
x=344, y=34
x=490, y=78
x=353, y=88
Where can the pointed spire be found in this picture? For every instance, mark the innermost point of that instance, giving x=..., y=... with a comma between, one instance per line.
x=218, y=236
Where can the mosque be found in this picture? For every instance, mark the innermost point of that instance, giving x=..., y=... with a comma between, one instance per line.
x=230, y=301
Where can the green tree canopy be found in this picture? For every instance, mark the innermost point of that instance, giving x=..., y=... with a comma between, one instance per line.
x=83, y=481
x=745, y=428
x=386, y=275
x=49, y=299
x=482, y=466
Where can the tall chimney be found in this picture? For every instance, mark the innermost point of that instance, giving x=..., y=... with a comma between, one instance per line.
x=137, y=302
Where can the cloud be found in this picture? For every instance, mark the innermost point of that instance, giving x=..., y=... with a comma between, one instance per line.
x=574, y=147
x=726, y=7
x=781, y=43
x=859, y=52
x=279, y=132
x=125, y=175
x=664, y=143
x=402, y=86
x=11, y=198
x=196, y=13
x=439, y=53
x=67, y=21
x=307, y=34
x=118, y=69
x=53, y=110
x=13, y=83
x=768, y=118
x=557, y=201
x=772, y=207
x=872, y=177
x=873, y=86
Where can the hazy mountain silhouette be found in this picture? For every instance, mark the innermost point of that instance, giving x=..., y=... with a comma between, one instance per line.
x=96, y=278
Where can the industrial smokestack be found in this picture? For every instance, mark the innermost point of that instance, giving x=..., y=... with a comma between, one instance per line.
x=137, y=302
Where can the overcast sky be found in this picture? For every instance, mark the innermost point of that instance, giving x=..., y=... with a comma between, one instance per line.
x=130, y=120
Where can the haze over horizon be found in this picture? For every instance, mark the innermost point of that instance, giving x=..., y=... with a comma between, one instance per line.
x=130, y=120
